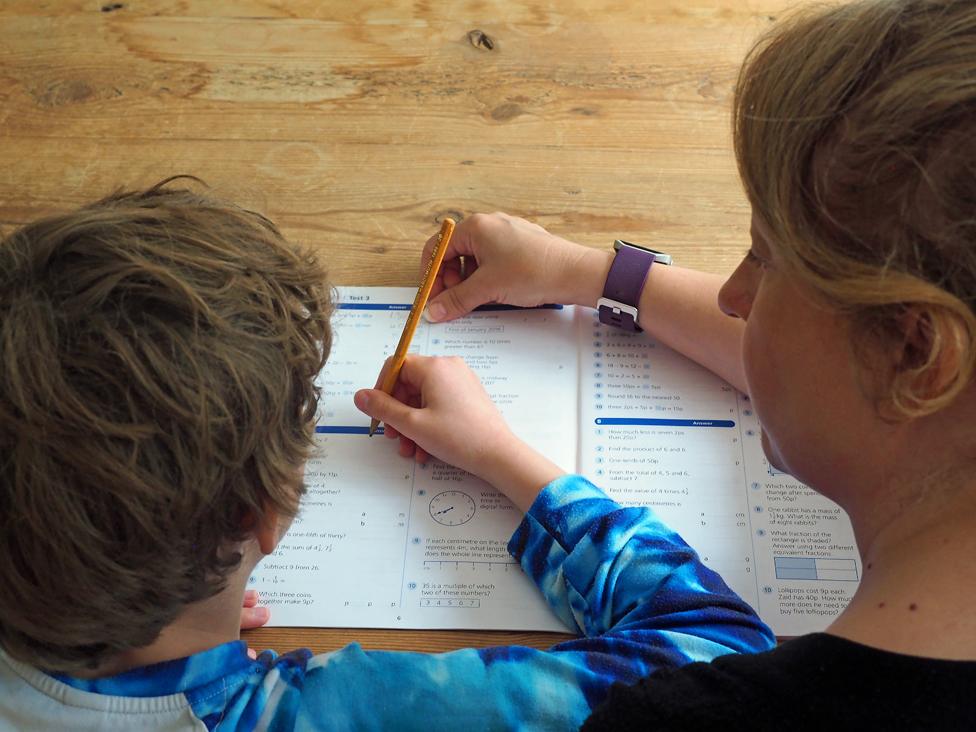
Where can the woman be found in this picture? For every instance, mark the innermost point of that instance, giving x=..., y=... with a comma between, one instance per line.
x=853, y=329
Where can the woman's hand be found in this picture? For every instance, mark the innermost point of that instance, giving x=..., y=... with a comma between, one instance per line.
x=440, y=408
x=512, y=261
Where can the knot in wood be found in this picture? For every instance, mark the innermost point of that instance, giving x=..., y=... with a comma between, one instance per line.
x=480, y=39
x=450, y=213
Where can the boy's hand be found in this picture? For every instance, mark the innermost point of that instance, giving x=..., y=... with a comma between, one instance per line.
x=512, y=261
x=440, y=408
x=253, y=616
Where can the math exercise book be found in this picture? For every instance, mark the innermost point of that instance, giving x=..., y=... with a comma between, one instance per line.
x=383, y=542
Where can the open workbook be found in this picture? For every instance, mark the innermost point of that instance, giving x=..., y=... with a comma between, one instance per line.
x=383, y=542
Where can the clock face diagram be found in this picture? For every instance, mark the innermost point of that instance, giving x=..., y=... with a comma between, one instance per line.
x=452, y=508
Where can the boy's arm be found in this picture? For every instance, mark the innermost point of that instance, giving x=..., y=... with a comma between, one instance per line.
x=636, y=591
x=604, y=569
x=632, y=587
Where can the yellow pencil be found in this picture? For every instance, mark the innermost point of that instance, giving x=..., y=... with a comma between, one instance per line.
x=419, y=303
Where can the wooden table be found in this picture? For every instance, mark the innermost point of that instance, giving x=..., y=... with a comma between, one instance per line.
x=358, y=125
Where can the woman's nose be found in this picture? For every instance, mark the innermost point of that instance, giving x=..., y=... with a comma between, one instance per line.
x=735, y=297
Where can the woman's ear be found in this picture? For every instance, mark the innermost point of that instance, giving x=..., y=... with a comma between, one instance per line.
x=933, y=361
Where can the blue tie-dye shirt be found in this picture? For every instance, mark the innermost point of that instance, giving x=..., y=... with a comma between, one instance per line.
x=636, y=593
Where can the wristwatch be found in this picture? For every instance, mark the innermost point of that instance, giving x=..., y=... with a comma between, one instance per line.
x=626, y=279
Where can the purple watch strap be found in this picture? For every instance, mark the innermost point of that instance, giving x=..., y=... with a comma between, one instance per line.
x=625, y=282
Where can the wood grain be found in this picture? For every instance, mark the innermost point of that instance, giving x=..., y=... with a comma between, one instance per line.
x=358, y=125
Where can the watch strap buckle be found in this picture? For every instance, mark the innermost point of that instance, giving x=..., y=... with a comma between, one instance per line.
x=621, y=315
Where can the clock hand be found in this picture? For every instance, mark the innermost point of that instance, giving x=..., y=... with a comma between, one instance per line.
x=444, y=511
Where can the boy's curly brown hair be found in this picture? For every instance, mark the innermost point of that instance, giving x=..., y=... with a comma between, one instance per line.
x=158, y=351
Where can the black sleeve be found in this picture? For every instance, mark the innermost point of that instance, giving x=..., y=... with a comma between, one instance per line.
x=817, y=682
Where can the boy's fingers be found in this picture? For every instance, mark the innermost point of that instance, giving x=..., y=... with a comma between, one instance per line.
x=402, y=391
x=382, y=407
x=254, y=617
x=407, y=447
x=251, y=598
x=412, y=375
x=414, y=450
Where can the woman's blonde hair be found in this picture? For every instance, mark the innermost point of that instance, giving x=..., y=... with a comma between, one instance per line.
x=855, y=135
x=158, y=351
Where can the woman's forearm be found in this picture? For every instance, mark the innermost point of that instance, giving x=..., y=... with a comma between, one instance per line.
x=678, y=307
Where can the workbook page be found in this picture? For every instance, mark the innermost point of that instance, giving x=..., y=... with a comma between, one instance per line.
x=383, y=542
x=658, y=430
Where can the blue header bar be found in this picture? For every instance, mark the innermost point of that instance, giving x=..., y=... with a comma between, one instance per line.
x=344, y=430
x=643, y=422
x=498, y=306
x=406, y=306
x=374, y=306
